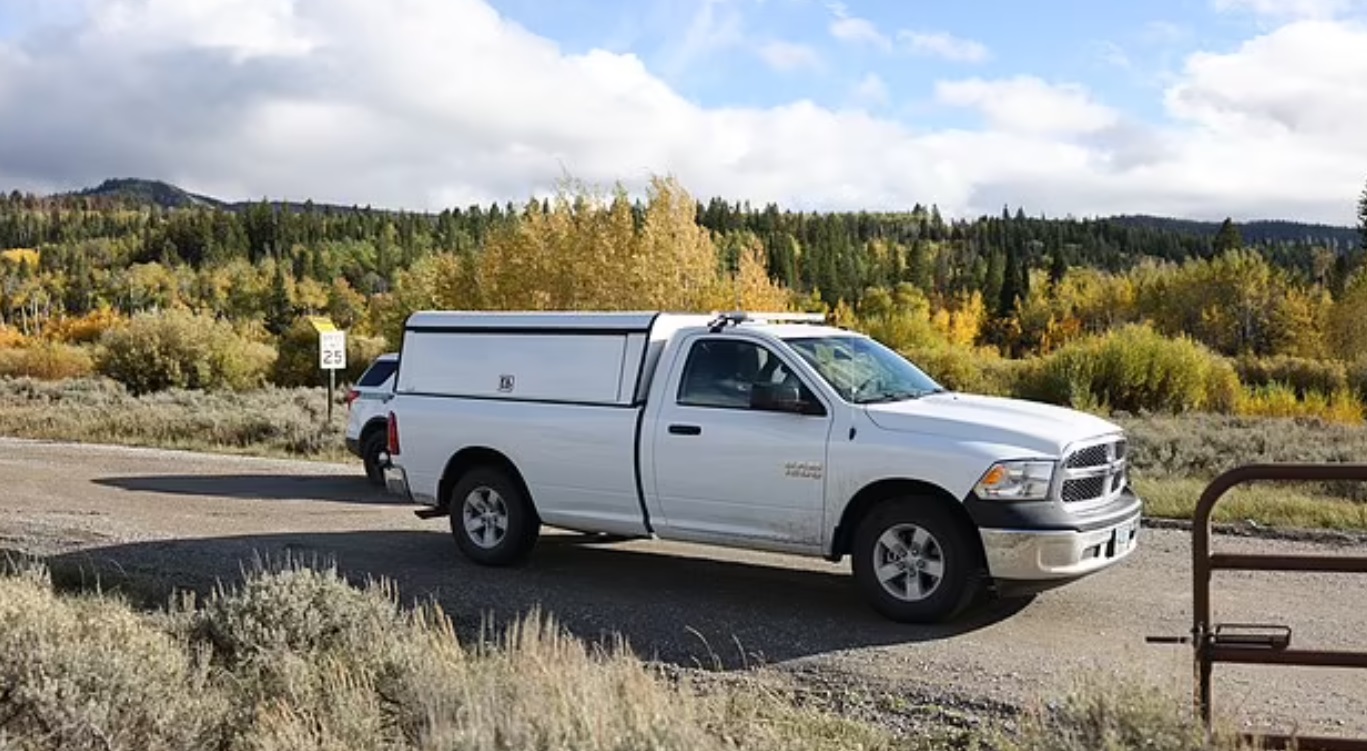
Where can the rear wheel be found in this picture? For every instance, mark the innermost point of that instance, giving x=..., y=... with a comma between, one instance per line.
x=914, y=562
x=492, y=520
x=375, y=456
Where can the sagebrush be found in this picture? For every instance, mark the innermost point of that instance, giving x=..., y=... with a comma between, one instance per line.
x=297, y=657
x=268, y=421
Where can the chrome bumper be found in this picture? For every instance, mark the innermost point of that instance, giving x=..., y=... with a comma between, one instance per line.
x=1034, y=555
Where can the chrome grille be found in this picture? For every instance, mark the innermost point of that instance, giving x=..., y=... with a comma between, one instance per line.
x=1094, y=473
x=1084, y=489
x=1091, y=456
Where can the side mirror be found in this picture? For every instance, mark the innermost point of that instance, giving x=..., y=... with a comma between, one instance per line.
x=781, y=397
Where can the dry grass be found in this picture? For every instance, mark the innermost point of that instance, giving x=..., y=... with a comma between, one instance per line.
x=1104, y=714
x=1201, y=446
x=1266, y=505
x=1176, y=456
x=296, y=657
x=265, y=422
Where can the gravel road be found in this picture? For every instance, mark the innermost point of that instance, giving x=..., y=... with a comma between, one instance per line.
x=191, y=518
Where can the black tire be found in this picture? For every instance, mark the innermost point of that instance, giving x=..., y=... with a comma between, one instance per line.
x=502, y=497
x=375, y=456
x=948, y=543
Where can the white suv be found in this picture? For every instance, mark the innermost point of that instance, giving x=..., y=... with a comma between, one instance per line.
x=366, y=430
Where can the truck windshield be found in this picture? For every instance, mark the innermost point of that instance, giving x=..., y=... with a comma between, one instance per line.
x=863, y=370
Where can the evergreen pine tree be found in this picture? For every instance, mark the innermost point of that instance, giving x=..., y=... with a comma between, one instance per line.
x=1011, y=283
x=280, y=311
x=1058, y=267
x=1228, y=238
x=1362, y=218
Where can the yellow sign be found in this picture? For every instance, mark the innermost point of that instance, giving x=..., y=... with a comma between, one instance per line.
x=322, y=324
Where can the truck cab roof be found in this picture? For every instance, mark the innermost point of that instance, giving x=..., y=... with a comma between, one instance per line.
x=782, y=325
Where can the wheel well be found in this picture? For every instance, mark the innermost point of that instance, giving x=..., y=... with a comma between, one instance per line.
x=875, y=493
x=470, y=458
x=376, y=425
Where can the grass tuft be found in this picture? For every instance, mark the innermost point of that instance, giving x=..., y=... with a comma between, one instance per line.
x=1103, y=714
x=296, y=657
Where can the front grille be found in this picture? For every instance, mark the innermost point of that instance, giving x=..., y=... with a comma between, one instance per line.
x=1092, y=456
x=1085, y=489
x=1094, y=473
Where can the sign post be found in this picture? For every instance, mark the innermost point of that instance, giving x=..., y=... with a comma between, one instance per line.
x=331, y=353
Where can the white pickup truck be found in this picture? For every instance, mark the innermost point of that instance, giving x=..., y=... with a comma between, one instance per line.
x=767, y=432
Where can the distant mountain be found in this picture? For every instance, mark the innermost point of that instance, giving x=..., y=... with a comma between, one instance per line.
x=141, y=192
x=1271, y=231
x=155, y=192
x=149, y=192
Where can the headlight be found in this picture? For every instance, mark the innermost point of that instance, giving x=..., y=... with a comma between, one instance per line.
x=1024, y=480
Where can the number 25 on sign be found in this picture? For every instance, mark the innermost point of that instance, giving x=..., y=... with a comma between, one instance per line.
x=332, y=350
x=331, y=355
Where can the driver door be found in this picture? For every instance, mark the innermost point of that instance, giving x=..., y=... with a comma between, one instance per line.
x=726, y=470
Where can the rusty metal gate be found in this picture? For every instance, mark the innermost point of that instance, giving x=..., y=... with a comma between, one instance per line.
x=1259, y=644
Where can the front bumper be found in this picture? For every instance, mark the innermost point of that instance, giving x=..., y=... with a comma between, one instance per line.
x=1020, y=555
x=1042, y=541
x=353, y=445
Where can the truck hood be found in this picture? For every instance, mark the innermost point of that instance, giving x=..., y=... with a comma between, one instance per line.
x=1033, y=427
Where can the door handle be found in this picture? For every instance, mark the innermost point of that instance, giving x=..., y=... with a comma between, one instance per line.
x=685, y=429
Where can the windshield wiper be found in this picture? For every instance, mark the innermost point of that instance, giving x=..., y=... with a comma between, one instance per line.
x=904, y=395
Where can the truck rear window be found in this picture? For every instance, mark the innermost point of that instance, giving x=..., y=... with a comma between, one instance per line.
x=378, y=372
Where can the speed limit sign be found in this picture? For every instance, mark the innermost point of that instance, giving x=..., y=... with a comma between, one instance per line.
x=332, y=350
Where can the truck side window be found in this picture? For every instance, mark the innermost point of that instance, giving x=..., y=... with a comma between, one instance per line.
x=721, y=372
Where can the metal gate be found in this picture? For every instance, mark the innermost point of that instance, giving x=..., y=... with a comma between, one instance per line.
x=1260, y=644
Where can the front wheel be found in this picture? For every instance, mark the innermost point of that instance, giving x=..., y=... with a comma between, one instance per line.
x=492, y=520
x=914, y=562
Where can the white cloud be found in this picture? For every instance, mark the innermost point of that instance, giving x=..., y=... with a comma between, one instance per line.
x=1304, y=82
x=943, y=45
x=788, y=56
x=1289, y=9
x=1026, y=104
x=860, y=31
x=872, y=90
x=433, y=103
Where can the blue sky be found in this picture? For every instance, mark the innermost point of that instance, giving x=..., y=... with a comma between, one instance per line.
x=1191, y=108
x=1121, y=51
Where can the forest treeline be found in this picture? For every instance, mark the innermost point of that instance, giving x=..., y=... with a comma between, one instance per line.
x=1008, y=303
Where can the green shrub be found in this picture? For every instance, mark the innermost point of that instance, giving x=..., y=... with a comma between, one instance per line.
x=1357, y=377
x=47, y=361
x=962, y=369
x=88, y=673
x=1277, y=399
x=179, y=349
x=1133, y=368
x=1302, y=374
